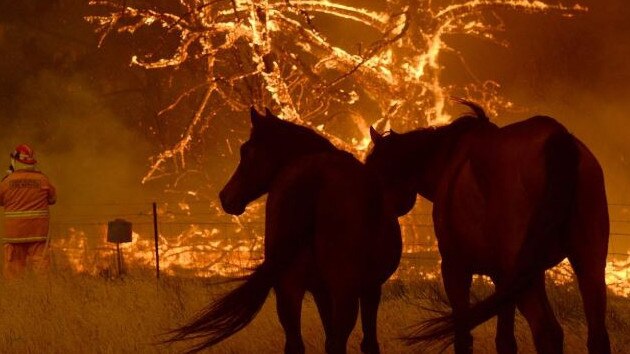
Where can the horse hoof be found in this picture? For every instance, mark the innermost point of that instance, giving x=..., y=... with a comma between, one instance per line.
x=370, y=348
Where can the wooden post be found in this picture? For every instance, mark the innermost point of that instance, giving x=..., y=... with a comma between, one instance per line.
x=155, y=234
x=119, y=259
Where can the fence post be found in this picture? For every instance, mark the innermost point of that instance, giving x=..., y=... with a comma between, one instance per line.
x=155, y=234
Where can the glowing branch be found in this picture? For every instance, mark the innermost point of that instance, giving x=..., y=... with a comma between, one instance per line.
x=180, y=148
x=378, y=21
x=527, y=5
x=269, y=53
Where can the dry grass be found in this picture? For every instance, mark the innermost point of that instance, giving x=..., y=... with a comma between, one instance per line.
x=65, y=313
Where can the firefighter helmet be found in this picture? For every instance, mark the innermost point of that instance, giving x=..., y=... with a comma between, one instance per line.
x=24, y=154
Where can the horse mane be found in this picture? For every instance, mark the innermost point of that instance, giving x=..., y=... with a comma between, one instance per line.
x=446, y=137
x=462, y=123
x=477, y=111
x=303, y=136
x=466, y=122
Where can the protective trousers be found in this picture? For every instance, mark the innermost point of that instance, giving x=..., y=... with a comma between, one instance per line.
x=19, y=256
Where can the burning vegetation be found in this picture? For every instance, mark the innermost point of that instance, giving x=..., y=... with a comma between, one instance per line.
x=275, y=53
x=272, y=53
x=204, y=62
x=283, y=54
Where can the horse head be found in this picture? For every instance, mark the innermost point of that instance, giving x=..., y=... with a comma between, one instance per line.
x=259, y=162
x=389, y=161
x=414, y=162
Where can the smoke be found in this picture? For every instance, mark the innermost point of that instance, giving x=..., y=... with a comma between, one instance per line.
x=88, y=153
x=573, y=69
x=55, y=82
x=52, y=99
x=577, y=71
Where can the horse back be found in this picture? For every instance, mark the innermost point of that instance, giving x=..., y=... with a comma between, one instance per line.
x=495, y=190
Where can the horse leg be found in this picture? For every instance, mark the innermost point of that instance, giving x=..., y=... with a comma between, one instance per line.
x=345, y=309
x=370, y=300
x=324, y=307
x=290, y=291
x=534, y=305
x=590, y=273
x=457, y=284
x=587, y=250
x=505, y=340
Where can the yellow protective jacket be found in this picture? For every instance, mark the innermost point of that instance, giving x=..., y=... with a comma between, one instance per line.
x=25, y=195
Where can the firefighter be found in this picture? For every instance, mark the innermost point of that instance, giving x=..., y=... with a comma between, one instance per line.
x=25, y=194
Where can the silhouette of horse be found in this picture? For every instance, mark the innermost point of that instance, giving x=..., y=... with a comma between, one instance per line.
x=509, y=203
x=325, y=232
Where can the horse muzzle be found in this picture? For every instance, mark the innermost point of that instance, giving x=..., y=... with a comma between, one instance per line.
x=400, y=202
x=229, y=205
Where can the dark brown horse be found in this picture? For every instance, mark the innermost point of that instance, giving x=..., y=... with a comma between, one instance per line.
x=325, y=232
x=509, y=203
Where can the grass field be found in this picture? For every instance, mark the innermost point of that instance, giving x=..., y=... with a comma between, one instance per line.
x=69, y=313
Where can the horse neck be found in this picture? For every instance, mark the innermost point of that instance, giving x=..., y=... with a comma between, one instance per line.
x=435, y=157
x=309, y=145
x=425, y=176
x=307, y=142
x=317, y=147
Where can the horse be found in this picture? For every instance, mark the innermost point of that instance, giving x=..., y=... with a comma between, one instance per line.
x=508, y=202
x=326, y=232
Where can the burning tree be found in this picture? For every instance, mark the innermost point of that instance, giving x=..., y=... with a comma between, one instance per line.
x=271, y=53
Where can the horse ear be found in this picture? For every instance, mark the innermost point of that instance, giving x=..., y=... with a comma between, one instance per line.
x=268, y=113
x=375, y=136
x=255, y=116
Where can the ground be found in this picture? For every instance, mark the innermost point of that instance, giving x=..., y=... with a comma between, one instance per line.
x=71, y=313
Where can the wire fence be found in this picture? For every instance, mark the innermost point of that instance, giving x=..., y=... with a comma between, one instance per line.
x=198, y=239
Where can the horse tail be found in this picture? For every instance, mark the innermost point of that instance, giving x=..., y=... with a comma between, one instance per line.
x=550, y=223
x=230, y=313
x=476, y=109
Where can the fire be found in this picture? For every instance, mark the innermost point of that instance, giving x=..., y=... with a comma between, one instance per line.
x=202, y=252
x=286, y=62
x=283, y=55
x=232, y=248
x=196, y=251
x=618, y=276
x=189, y=243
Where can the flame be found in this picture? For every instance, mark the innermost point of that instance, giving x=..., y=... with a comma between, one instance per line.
x=292, y=65
x=196, y=251
x=285, y=56
x=233, y=247
x=618, y=276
